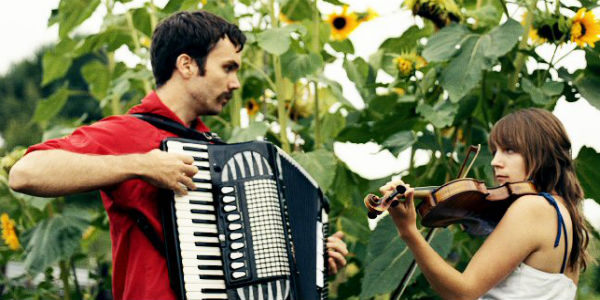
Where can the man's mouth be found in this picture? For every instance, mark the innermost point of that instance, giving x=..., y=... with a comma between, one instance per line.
x=225, y=97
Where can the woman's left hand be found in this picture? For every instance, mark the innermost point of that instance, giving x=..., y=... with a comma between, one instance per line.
x=336, y=250
x=404, y=213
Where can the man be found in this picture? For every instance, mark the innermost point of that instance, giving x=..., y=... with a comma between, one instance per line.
x=195, y=59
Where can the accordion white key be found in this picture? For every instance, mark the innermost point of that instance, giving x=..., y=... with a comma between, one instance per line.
x=253, y=228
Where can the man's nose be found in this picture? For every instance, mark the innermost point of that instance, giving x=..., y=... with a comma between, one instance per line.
x=234, y=84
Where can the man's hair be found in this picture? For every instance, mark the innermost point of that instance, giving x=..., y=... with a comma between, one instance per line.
x=193, y=33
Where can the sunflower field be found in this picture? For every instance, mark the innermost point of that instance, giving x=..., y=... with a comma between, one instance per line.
x=431, y=90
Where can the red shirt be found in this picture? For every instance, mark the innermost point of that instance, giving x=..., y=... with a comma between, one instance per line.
x=139, y=271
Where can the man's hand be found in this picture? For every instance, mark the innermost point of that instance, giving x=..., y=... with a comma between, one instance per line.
x=336, y=249
x=168, y=170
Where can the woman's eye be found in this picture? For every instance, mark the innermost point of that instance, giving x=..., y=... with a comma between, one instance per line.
x=510, y=151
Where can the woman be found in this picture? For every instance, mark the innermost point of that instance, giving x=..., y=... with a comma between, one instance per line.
x=532, y=253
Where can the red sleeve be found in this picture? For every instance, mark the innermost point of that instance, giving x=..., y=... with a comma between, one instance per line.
x=113, y=135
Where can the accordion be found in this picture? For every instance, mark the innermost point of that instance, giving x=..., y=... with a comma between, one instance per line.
x=253, y=228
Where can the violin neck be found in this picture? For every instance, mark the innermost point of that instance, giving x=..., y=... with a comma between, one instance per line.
x=424, y=192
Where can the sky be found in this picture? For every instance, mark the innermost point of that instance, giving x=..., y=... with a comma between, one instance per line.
x=23, y=28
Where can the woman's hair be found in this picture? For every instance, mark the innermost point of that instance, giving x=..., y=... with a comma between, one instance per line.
x=542, y=140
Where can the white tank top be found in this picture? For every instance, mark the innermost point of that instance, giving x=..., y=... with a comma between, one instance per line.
x=528, y=283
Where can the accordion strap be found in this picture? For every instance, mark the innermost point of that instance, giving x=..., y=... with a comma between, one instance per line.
x=144, y=225
x=169, y=125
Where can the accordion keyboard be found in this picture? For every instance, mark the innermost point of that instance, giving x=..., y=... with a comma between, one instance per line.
x=199, y=240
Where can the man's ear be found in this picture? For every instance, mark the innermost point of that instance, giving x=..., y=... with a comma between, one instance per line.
x=186, y=66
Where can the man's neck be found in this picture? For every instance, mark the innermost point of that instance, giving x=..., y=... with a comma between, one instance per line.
x=172, y=97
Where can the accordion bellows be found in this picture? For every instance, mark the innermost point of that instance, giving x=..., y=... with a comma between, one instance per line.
x=252, y=229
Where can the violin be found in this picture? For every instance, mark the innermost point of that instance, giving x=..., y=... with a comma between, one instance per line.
x=465, y=201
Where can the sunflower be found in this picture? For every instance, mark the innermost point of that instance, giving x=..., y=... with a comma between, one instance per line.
x=399, y=91
x=585, y=28
x=283, y=18
x=367, y=16
x=252, y=107
x=534, y=37
x=342, y=24
x=440, y=12
x=9, y=235
x=405, y=66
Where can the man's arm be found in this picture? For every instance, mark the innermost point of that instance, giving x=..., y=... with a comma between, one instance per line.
x=50, y=173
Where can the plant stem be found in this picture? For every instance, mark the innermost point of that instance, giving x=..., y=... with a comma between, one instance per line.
x=315, y=48
x=114, y=100
x=282, y=116
x=138, y=49
x=272, y=84
x=520, y=60
x=234, y=110
x=64, y=276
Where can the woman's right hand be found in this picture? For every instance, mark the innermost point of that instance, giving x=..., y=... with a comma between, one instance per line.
x=403, y=213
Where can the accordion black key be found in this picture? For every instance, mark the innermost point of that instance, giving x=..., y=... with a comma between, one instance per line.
x=253, y=228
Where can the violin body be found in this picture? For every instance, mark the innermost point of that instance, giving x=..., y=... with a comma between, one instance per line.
x=464, y=201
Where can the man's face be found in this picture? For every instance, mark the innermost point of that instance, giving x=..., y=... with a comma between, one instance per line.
x=211, y=92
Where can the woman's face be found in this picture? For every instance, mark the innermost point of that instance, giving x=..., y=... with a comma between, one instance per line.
x=509, y=166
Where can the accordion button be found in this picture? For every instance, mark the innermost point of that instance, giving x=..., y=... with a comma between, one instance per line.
x=237, y=265
x=237, y=275
x=226, y=189
x=233, y=217
x=235, y=226
x=236, y=246
x=236, y=255
x=229, y=208
x=228, y=199
x=235, y=236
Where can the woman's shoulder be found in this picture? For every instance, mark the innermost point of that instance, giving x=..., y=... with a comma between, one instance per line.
x=532, y=208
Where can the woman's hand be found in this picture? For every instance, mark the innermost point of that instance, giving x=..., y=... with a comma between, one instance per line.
x=403, y=212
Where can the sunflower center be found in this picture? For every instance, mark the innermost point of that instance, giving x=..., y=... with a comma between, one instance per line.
x=578, y=30
x=339, y=23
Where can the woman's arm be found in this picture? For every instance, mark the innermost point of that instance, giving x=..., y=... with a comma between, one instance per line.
x=509, y=244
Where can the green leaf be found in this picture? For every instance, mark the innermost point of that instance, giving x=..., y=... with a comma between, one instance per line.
x=408, y=40
x=537, y=95
x=440, y=116
x=38, y=203
x=363, y=76
x=588, y=173
x=444, y=44
x=50, y=107
x=56, y=62
x=320, y=164
x=344, y=46
x=298, y=65
x=388, y=258
x=353, y=222
x=297, y=10
x=503, y=38
x=142, y=21
x=98, y=78
x=253, y=131
x=588, y=85
x=400, y=141
x=53, y=239
x=113, y=38
x=71, y=13
x=277, y=40
x=331, y=126
x=476, y=53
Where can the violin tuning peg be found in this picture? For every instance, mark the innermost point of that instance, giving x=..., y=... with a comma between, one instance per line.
x=372, y=214
x=401, y=189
